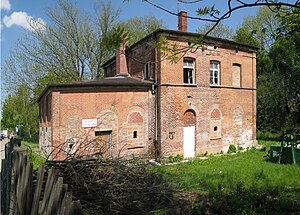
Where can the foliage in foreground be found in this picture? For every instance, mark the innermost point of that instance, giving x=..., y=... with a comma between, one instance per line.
x=247, y=200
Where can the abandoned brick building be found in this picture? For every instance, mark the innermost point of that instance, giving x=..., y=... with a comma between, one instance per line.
x=154, y=107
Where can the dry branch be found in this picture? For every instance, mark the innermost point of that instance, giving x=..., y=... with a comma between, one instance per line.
x=115, y=187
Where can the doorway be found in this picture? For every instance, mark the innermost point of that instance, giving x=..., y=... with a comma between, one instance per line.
x=104, y=143
x=189, y=134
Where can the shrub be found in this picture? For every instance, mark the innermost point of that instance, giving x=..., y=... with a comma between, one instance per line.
x=240, y=148
x=232, y=149
x=260, y=135
x=173, y=159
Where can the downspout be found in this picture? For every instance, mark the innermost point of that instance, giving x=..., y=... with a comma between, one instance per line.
x=156, y=147
x=254, y=114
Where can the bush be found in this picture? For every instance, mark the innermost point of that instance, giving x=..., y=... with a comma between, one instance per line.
x=173, y=159
x=232, y=149
x=266, y=135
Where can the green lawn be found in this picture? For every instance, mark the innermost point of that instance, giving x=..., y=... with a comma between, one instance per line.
x=248, y=168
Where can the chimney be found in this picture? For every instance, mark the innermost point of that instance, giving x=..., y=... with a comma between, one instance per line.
x=121, y=63
x=182, y=21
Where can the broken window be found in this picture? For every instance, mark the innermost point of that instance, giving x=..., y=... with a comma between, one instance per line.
x=189, y=71
x=214, y=73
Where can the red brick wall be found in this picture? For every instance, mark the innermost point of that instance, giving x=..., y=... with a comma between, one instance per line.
x=176, y=98
x=112, y=110
x=136, y=59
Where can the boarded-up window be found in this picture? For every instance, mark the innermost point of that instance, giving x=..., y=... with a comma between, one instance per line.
x=237, y=117
x=189, y=118
x=236, y=75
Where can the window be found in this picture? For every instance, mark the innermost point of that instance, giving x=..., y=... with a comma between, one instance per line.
x=215, y=124
x=214, y=73
x=189, y=71
x=147, y=71
x=134, y=135
x=236, y=75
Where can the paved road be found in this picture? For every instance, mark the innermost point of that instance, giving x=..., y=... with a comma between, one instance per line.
x=2, y=152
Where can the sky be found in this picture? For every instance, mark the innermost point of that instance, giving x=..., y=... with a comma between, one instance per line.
x=16, y=16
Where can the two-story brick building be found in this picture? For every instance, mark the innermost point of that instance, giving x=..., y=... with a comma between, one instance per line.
x=150, y=106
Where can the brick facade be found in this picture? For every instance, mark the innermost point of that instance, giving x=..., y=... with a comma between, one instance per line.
x=148, y=118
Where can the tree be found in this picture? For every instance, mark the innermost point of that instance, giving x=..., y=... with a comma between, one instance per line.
x=212, y=14
x=244, y=35
x=139, y=27
x=220, y=31
x=259, y=30
x=278, y=71
x=69, y=48
x=20, y=110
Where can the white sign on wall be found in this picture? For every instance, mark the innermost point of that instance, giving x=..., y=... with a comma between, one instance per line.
x=89, y=123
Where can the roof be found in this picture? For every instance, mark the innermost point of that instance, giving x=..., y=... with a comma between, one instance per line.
x=183, y=35
x=121, y=80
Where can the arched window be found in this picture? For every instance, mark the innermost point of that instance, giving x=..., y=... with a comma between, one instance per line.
x=215, y=124
x=135, y=128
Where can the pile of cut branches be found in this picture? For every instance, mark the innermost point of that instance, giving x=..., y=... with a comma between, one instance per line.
x=115, y=187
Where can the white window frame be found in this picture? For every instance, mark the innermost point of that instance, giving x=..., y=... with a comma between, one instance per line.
x=189, y=67
x=214, y=77
x=147, y=71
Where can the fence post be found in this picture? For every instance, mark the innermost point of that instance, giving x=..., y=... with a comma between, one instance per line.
x=6, y=177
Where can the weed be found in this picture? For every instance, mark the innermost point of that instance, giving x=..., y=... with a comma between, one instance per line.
x=173, y=159
x=240, y=148
x=198, y=209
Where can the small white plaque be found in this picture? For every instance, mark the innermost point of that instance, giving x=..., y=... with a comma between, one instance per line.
x=89, y=123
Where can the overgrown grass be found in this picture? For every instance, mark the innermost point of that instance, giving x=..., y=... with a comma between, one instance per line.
x=244, y=183
x=249, y=168
x=32, y=148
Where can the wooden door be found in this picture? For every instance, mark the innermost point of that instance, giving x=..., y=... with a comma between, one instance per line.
x=104, y=143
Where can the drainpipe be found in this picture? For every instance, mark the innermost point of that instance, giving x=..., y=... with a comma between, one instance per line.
x=254, y=100
x=156, y=147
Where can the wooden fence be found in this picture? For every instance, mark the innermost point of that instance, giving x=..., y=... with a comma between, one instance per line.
x=45, y=195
